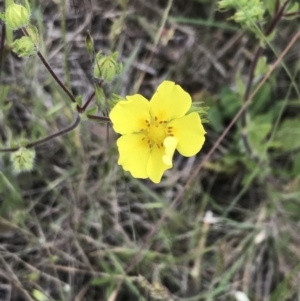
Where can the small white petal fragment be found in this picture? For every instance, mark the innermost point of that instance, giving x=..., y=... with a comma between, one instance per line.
x=260, y=237
x=241, y=296
x=209, y=218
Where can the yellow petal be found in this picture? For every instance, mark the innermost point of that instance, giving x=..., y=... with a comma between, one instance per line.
x=169, y=101
x=129, y=116
x=134, y=154
x=156, y=167
x=170, y=144
x=190, y=134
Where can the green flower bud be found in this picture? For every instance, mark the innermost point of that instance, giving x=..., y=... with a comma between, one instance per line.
x=89, y=43
x=106, y=67
x=23, y=159
x=24, y=47
x=17, y=16
x=33, y=33
x=225, y=4
x=250, y=13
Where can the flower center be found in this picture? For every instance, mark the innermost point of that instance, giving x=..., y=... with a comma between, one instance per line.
x=156, y=132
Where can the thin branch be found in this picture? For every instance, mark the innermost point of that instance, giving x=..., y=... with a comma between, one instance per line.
x=98, y=118
x=277, y=5
x=83, y=108
x=44, y=140
x=276, y=18
x=292, y=14
x=55, y=77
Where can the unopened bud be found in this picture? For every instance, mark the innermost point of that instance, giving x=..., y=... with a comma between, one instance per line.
x=24, y=47
x=107, y=67
x=89, y=43
x=17, y=16
x=23, y=159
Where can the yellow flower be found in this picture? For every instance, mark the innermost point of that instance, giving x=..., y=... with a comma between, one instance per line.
x=152, y=130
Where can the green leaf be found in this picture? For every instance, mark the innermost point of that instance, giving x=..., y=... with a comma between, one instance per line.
x=262, y=67
x=258, y=130
x=230, y=102
x=296, y=165
x=215, y=119
x=261, y=99
x=89, y=43
x=288, y=134
x=3, y=94
x=100, y=97
x=79, y=100
x=241, y=88
x=293, y=8
x=92, y=111
x=38, y=295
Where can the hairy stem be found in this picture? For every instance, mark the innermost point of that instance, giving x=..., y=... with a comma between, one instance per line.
x=44, y=140
x=55, y=77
